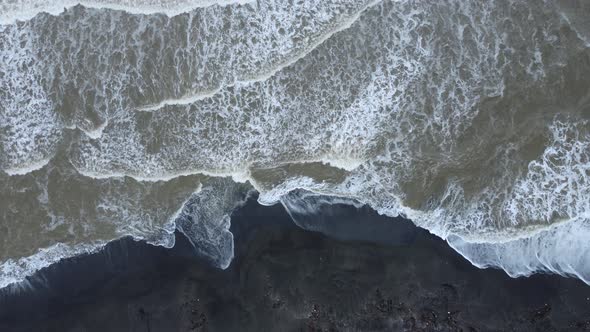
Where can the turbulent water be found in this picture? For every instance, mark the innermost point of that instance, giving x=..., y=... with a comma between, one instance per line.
x=136, y=117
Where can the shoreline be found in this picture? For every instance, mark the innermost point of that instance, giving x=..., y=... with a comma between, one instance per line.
x=287, y=278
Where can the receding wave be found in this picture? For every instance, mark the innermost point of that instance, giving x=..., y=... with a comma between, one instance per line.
x=470, y=118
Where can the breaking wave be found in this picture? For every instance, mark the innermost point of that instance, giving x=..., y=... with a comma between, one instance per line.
x=470, y=118
x=20, y=10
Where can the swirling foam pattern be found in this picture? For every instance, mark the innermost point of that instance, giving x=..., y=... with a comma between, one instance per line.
x=470, y=118
x=13, y=10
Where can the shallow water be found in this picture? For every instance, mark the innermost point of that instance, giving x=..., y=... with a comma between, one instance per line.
x=135, y=118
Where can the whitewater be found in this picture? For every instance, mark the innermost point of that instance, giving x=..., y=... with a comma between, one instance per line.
x=142, y=117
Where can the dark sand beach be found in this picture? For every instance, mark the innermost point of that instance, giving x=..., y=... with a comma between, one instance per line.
x=284, y=278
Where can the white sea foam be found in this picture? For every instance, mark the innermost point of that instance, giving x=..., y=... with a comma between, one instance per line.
x=561, y=249
x=62, y=205
x=96, y=132
x=268, y=73
x=239, y=176
x=15, y=271
x=428, y=110
x=205, y=220
x=34, y=166
x=555, y=192
x=29, y=127
x=21, y=10
x=186, y=100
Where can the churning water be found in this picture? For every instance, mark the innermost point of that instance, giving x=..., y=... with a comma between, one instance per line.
x=136, y=117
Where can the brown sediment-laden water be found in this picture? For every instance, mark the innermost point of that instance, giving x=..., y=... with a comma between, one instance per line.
x=139, y=117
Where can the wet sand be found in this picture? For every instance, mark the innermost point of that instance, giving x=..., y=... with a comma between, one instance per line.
x=287, y=279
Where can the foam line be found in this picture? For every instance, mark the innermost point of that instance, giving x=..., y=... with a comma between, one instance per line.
x=25, y=169
x=263, y=76
x=14, y=271
x=12, y=11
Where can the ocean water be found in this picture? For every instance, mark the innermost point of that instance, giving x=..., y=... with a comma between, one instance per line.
x=136, y=118
x=377, y=277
